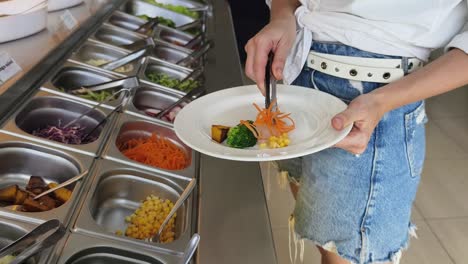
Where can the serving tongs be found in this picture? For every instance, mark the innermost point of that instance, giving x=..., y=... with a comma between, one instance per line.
x=191, y=25
x=185, y=194
x=190, y=249
x=194, y=56
x=194, y=41
x=38, y=239
x=110, y=66
x=127, y=82
x=142, y=43
x=195, y=92
x=115, y=110
x=62, y=185
x=270, y=84
x=148, y=26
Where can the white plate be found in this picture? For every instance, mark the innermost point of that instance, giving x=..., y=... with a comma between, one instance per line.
x=311, y=110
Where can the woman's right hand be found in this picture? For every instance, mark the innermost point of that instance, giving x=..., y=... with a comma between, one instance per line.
x=278, y=36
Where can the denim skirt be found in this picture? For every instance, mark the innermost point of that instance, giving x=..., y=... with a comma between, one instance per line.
x=359, y=206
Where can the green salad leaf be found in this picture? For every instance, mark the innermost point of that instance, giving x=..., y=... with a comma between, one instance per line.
x=166, y=80
x=176, y=8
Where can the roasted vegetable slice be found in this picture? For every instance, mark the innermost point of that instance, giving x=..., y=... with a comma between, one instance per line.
x=36, y=185
x=219, y=133
x=31, y=205
x=62, y=194
x=21, y=196
x=8, y=194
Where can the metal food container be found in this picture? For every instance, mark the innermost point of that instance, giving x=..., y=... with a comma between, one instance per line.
x=73, y=75
x=151, y=65
x=151, y=97
x=125, y=21
x=97, y=51
x=173, y=36
x=138, y=8
x=172, y=53
x=46, y=109
x=84, y=249
x=131, y=127
x=22, y=159
x=186, y=3
x=117, y=191
x=11, y=230
x=116, y=36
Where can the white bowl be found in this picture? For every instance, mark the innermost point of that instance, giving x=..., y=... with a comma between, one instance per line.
x=15, y=7
x=23, y=25
x=55, y=5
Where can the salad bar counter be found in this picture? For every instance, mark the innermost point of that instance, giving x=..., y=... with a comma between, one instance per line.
x=94, y=110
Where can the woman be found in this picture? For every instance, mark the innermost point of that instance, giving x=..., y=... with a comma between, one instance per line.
x=354, y=200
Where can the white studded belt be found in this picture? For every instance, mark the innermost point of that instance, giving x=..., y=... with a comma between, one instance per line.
x=362, y=69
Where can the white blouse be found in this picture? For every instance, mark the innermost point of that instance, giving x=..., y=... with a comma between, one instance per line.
x=411, y=28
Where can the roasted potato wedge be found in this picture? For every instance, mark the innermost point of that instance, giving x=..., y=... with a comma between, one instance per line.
x=219, y=133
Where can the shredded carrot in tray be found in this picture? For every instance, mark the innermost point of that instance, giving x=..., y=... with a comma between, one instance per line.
x=156, y=151
x=274, y=121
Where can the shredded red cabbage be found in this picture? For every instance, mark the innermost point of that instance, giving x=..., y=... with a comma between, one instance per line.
x=70, y=135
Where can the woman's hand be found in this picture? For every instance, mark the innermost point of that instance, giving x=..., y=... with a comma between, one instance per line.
x=365, y=112
x=279, y=36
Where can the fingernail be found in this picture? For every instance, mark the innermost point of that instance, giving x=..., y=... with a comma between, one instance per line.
x=279, y=73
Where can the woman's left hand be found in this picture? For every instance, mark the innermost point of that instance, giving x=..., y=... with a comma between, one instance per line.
x=365, y=112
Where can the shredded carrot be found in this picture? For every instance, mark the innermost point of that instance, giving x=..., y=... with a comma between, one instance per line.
x=274, y=121
x=156, y=151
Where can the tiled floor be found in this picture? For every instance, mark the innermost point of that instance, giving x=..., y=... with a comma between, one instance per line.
x=441, y=208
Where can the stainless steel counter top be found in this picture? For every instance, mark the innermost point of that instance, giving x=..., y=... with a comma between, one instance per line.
x=233, y=217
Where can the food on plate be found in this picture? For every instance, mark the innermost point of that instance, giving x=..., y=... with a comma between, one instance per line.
x=270, y=129
x=168, y=81
x=23, y=200
x=176, y=8
x=219, y=133
x=161, y=20
x=73, y=134
x=7, y=259
x=147, y=219
x=156, y=151
x=169, y=117
x=98, y=62
x=241, y=136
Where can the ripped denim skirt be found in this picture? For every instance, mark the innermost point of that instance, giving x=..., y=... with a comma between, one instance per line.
x=359, y=206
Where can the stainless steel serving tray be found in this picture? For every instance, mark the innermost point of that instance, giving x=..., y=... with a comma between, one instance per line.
x=171, y=53
x=116, y=192
x=137, y=8
x=11, y=230
x=84, y=249
x=125, y=21
x=151, y=64
x=148, y=96
x=46, y=108
x=173, y=36
x=116, y=36
x=132, y=127
x=22, y=158
x=74, y=74
x=91, y=50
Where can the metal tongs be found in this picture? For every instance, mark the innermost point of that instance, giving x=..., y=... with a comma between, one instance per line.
x=270, y=84
x=149, y=25
x=110, y=66
x=196, y=54
x=193, y=93
x=185, y=194
x=63, y=184
x=127, y=82
x=190, y=249
x=38, y=239
x=142, y=43
x=116, y=109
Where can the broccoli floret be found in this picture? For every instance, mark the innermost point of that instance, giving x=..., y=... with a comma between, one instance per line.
x=240, y=137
